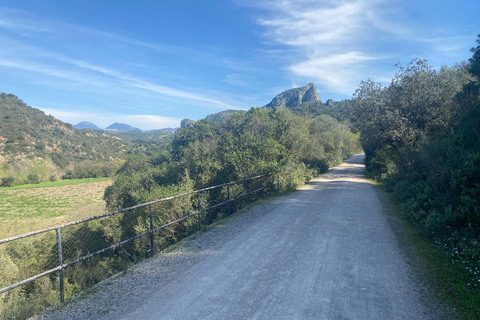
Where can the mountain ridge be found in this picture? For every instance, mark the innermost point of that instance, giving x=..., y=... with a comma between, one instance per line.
x=117, y=126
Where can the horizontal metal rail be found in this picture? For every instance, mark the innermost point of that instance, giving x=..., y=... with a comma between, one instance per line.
x=13, y=286
x=125, y=209
x=118, y=244
x=113, y=246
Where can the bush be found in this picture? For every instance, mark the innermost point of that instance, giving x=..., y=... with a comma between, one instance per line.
x=8, y=182
x=32, y=178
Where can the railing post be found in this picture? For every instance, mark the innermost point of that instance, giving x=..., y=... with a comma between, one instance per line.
x=248, y=192
x=199, y=211
x=60, y=263
x=151, y=229
x=228, y=199
x=262, y=184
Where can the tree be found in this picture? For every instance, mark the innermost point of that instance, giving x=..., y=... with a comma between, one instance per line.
x=475, y=59
x=414, y=109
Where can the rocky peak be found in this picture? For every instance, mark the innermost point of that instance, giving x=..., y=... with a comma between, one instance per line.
x=185, y=123
x=294, y=97
x=330, y=103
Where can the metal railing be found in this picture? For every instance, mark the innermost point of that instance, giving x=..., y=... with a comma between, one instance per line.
x=62, y=263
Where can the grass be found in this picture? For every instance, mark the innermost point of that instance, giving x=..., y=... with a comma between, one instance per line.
x=432, y=266
x=32, y=207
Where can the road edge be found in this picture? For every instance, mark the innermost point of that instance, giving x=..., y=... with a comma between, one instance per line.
x=418, y=254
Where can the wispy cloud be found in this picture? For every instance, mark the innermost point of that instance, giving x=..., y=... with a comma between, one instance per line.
x=18, y=55
x=237, y=79
x=330, y=39
x=337, y=43
x=27, y=24
x=335, y=73
x=30, y=58
x=146, y=85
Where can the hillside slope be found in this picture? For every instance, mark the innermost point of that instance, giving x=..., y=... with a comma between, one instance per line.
x=30, y=139
x=27, y=132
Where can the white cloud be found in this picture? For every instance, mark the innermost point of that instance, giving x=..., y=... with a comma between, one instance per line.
x=316, y=27
x=336, y=73
x=329, y=40
x=103, y=120
x=337, y=43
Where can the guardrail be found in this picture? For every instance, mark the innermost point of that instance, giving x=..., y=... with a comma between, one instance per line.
x=64, y=262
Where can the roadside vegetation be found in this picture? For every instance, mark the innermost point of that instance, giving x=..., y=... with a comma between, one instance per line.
x=421, y=136
x=261, y=141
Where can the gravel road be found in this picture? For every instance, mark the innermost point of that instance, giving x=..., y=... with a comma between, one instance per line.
x=326, y=251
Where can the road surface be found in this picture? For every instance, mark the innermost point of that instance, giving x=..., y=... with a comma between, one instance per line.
x=325, y=251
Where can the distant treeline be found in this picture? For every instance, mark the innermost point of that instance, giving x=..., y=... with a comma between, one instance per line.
x=421, y=136
x=32, y=171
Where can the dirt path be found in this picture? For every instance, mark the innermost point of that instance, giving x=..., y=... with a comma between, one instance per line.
x=323, y=252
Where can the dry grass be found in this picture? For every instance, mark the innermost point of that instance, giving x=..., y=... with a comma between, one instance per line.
x=26, y=210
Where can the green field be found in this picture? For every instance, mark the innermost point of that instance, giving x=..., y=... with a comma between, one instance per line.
x=32, y=207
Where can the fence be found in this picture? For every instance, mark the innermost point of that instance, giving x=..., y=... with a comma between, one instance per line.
x=156, y=224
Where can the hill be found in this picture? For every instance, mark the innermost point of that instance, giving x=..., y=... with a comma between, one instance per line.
x=35, y=147
x=121, y=127
x=86, y=125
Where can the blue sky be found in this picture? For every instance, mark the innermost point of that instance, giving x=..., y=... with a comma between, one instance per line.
x=152, y=63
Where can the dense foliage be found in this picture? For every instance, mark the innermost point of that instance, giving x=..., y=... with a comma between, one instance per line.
x=166, y=135
x=339, y=110
x=421, y=136
x=260, y=141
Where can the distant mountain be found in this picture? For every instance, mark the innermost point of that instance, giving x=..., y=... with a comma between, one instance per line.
x=121, y=127
x=86, y=125
x=295, y=97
